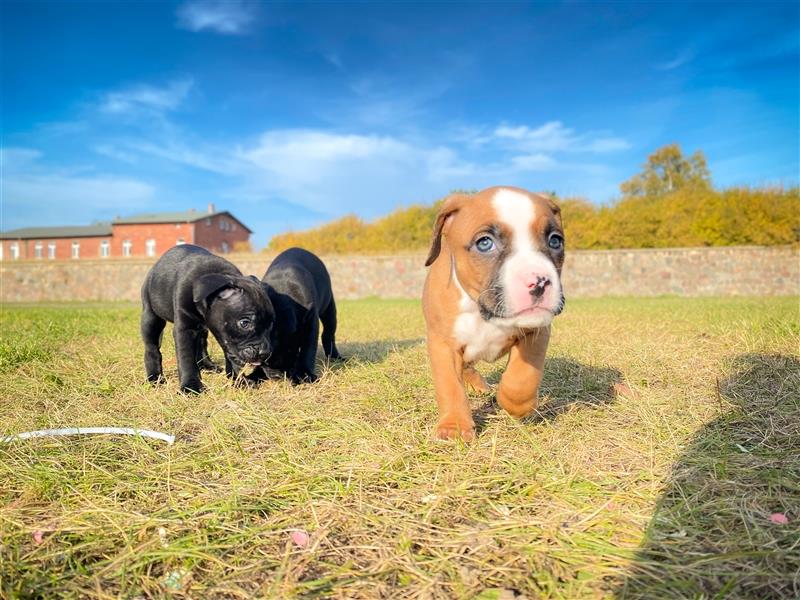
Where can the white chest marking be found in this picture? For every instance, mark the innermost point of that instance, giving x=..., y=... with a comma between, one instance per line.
x=482, y=339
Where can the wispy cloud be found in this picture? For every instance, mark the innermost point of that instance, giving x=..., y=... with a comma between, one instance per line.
x=369, y=173
x=114, y=152
x=34, y=193
x=227, y=17
x=147, y=97
x=553, y=136
x=682, y=58
x=534, y=162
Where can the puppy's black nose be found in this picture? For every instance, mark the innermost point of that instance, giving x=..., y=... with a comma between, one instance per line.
x=249, y=353
x=537, y=289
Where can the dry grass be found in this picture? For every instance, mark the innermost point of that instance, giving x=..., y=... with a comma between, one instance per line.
x=663, y=490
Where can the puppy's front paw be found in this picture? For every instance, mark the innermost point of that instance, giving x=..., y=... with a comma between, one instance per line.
x=518, y=406
x=193, y=386
x=300, y=377
x=449, y=429
x=156, y=378
x=247, y=381
x=476, y=381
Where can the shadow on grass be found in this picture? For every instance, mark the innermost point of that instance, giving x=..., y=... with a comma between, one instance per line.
x=371, y=352
x=566, y=384
x=712, y=534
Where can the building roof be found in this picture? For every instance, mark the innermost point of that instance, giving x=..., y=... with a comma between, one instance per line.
x=186, y=216
x=104, y=229
x=30, y=233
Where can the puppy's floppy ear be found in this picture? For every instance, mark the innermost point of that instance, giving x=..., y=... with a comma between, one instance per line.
x=206, y=286
x=450, y=206
x=551, y=203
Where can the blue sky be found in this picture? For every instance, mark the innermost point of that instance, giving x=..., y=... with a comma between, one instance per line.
x=290, y=114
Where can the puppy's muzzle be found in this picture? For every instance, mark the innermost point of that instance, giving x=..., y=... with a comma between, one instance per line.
x=256, y=354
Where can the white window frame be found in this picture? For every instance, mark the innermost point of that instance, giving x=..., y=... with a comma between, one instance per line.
x=76, y=250
x=13, y=250
x=127, y=248
x=105, y=248
x=224, y=248
x=37, y=250
x=51, y=251
x=150, y=247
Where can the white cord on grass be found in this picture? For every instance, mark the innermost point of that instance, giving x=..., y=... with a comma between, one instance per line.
x=170, y=439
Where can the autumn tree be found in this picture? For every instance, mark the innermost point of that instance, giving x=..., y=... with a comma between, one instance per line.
x=667, y=171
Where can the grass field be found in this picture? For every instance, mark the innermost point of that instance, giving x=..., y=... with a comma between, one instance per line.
x=666, y=488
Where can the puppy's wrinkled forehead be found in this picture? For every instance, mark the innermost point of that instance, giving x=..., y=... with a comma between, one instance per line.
x=245, y=297
x=517, y=211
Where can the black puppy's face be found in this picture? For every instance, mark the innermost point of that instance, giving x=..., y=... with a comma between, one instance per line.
x=241, y=316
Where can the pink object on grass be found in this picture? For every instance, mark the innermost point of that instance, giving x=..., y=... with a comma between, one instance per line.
x=300, y=538
x=779, y=518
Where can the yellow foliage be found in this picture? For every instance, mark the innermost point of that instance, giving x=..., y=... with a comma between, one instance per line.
x=693, y=215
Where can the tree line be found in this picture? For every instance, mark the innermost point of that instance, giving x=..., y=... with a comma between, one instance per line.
x=670, y=203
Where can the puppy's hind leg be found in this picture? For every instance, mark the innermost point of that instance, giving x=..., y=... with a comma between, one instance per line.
x=307, y=358
x=152, y=327
x=328, y=318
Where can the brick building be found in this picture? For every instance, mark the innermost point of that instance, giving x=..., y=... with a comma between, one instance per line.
x=148, y=234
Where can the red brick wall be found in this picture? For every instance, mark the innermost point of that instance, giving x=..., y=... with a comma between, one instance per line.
x=89, y=248
x=207, y=233
x=166, y=236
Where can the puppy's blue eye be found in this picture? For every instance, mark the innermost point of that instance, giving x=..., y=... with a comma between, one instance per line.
x=556, y=242
x=245, y=323
x=485, y=244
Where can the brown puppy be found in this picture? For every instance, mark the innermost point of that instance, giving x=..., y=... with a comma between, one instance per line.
x=494, y=287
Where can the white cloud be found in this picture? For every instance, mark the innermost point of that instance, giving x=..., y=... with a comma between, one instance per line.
x=13, y=159
x=684, y=57
x=553, y=136
x=330, y=172
x=199, y=155
x=114, y=152
x=316, y=168
x=146, y=97
x=227, y=17
x=34, y=194
x=288, y=150
x=534, y=162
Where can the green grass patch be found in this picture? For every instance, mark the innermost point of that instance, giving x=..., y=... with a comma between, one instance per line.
x=668, y=435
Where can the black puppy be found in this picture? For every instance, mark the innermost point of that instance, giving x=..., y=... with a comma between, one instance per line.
x=198, y=292
x=299, y=286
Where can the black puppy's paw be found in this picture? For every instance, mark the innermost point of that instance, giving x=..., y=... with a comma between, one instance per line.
x=156, y=379
x=193, y=386
x=210, y=366
x=300, y=377
x=273, y=373
x=246, y=381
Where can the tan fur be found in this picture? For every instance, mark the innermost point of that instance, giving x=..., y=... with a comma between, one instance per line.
x=443, y=299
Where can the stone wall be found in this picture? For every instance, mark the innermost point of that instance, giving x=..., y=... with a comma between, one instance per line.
x=737, y=271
